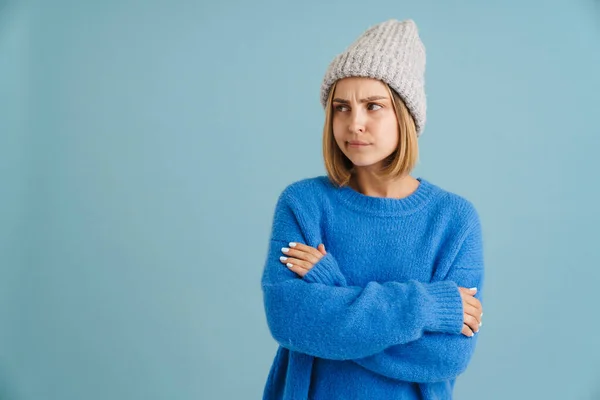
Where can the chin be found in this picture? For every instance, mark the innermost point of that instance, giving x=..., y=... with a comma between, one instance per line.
x=363, y=163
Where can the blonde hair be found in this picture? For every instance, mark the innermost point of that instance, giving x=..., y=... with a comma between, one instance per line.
x=399, y=163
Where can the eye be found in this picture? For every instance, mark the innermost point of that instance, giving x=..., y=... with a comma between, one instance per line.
x=375, y=105
x=340, y=108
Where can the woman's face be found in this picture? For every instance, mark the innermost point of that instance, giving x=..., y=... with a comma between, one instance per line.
x=363, y=112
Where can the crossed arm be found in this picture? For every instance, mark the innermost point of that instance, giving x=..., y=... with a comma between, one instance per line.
x=403, y=330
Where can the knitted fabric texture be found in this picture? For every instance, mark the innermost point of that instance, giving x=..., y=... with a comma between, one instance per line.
x=380, y=315
x=391, y=52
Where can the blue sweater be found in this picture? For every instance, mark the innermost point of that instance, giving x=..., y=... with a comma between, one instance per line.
x=380, y=315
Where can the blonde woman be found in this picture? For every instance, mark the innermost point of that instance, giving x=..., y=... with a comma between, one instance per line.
x=373, y=279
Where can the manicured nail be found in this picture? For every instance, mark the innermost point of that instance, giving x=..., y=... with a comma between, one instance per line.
x=481, y=323
x=283, y=258
x=289, y=265
x=292, y=244
x=285, y=249
x=481, y=315
x=473, y=288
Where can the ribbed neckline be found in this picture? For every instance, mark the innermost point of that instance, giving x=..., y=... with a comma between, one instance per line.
x=386, y=206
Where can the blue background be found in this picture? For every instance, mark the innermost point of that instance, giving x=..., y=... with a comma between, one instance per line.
x=144, y=143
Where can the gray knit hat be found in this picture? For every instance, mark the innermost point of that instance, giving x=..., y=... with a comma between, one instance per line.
x=391, y=52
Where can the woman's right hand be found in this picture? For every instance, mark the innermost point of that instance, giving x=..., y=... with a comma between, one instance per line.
x=472, y=311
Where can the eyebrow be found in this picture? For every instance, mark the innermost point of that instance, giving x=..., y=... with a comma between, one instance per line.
x=371, y=98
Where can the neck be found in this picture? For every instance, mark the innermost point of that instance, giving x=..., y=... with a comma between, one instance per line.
x=374, y=186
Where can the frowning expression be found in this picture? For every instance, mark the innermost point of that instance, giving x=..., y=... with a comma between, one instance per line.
x=365, y=126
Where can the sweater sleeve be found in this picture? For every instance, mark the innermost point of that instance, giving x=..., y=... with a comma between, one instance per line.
x=435, y=356
x=347, y=322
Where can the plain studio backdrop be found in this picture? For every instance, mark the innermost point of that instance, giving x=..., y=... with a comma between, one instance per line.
x=143, y=145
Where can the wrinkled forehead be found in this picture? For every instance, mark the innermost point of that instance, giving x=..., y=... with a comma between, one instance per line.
x=355, y=88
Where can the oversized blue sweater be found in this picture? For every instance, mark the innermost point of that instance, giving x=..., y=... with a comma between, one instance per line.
x=380, y=315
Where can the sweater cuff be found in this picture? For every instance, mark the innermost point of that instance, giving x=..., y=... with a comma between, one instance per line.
x=446, y=309
x=326, y=271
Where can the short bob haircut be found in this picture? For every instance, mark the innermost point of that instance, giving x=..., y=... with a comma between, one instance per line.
x=400, y=163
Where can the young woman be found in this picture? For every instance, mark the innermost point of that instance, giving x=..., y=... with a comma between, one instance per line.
x=373, y=279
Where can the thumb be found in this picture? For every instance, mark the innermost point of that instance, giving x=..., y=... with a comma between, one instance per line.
x=321, y=248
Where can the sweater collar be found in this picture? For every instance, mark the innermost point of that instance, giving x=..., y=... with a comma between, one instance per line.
x=386, y=206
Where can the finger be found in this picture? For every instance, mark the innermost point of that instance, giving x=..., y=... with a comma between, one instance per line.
x=469, y=291
x=315, y=252
x=473, y=302
x=301, y=255
x=297, y=269
x=305, y=248
x=472, y=311
x=470, y=299
x=321, y=248
x=296, y=262
x=467, y=331
x=471, y=322
x=301, y=252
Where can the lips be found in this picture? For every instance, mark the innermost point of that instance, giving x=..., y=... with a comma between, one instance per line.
x=357, y=143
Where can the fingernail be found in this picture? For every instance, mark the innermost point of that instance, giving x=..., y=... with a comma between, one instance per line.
x=292, y=244
x=473, y=288
x=289, y=265
x=285, y=249
x=481, y=315
x=283, y=258
x=481, y=323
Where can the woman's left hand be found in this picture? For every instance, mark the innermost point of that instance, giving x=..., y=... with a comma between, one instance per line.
x=300, y=258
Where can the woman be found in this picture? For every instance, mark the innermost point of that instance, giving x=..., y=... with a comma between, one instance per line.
x=366, y=277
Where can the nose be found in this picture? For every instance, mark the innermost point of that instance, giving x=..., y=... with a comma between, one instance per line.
x=357, y=122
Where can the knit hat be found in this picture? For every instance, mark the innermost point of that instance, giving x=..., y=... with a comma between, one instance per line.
x=391, y=52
